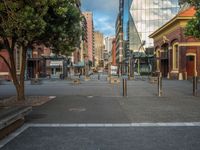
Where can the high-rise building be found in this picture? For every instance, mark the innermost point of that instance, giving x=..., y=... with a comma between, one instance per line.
x=98, y=47
x=108, y=43
x=84, y=40
x=119, y=34
x=113, y=53
x=90, y=35
x=147, y=16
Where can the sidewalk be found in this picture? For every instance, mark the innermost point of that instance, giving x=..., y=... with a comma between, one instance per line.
x=94, y=115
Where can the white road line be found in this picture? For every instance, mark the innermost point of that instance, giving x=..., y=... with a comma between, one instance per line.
x=97, y=125
x=159, y=124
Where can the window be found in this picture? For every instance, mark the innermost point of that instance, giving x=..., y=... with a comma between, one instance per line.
x=175, y=56
x=190, y=58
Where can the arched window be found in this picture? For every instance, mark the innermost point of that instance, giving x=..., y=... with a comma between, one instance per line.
x=175, y=56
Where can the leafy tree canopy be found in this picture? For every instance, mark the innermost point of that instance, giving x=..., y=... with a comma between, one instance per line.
x=24, y=22
x=50, y=21
x=195, y=3
x=193, y=26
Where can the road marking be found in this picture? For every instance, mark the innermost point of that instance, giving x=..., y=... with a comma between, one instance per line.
x=96, y=125
x=159, y=124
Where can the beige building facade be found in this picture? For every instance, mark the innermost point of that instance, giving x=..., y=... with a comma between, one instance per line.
x=98, y=47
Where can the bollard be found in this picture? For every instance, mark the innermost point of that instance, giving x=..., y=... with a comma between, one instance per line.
x=195, y=86
x=124, y=87
x=160, y=84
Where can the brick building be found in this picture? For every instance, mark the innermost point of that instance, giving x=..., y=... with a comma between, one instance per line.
x=4, y=72
x=178, y=56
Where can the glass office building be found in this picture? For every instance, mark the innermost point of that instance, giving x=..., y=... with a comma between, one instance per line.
x=146, y=16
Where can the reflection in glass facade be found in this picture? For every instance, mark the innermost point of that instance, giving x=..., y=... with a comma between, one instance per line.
x=125, y=17
x=146, y=17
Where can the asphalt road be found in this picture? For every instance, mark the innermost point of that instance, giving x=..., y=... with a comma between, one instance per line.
x=101, y=138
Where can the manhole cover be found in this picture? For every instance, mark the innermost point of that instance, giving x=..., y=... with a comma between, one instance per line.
x=77, y=109
x=90, y=96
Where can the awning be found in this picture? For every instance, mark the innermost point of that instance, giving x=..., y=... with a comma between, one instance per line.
x=56, y=63
x=79, y=64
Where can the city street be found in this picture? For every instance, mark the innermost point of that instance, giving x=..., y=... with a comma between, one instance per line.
x=100, y=75
x=94, y=115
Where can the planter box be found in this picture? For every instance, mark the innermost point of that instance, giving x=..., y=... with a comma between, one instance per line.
x=36, y=81
x=153, y=80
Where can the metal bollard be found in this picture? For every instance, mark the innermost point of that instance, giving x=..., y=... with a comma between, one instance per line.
x=124, y=87
x=160, y=84
x=195, y=85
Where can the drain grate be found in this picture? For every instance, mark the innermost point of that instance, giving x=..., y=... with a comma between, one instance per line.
x=77, y=109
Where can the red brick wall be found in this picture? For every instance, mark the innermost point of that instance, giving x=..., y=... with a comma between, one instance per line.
x=178, y=36
x=3, y=66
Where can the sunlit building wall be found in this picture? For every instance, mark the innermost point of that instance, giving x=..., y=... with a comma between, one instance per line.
x=98, y=47
x=108, y=43
x=90, y=34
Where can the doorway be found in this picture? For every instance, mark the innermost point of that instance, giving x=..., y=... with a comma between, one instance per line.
x=190, y=65
x=164, y=67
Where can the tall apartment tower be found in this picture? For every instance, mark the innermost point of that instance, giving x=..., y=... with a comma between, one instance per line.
x=108, y=43
x=90, y=35
x=119, y=34
x=98, y=47
x=84, y=40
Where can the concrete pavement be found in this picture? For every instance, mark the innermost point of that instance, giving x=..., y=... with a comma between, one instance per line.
x=94, y=115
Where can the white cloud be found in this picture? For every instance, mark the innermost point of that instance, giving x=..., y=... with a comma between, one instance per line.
x=104, y=25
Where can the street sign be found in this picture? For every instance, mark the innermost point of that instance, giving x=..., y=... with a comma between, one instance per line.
x=113, y=70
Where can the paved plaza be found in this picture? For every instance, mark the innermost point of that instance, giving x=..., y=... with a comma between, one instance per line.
x=95, y=116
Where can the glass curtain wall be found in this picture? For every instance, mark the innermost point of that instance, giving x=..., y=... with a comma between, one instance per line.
x=147, y=16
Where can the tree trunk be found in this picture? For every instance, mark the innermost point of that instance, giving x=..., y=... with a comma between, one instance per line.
x=20, y=93
x=18, y=82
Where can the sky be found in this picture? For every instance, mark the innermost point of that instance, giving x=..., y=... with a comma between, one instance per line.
x=104, y=14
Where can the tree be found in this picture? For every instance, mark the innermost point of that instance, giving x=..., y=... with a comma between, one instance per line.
x=63, y=29
x=24, y=22
x=193, y=26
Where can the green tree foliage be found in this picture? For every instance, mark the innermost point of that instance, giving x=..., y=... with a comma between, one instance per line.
x=193, y=26
x=24, y=22
x=63, y=26
x=195, y=3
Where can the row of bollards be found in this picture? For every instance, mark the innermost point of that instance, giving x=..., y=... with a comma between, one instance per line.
x=160, y=92
x=195, y=81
